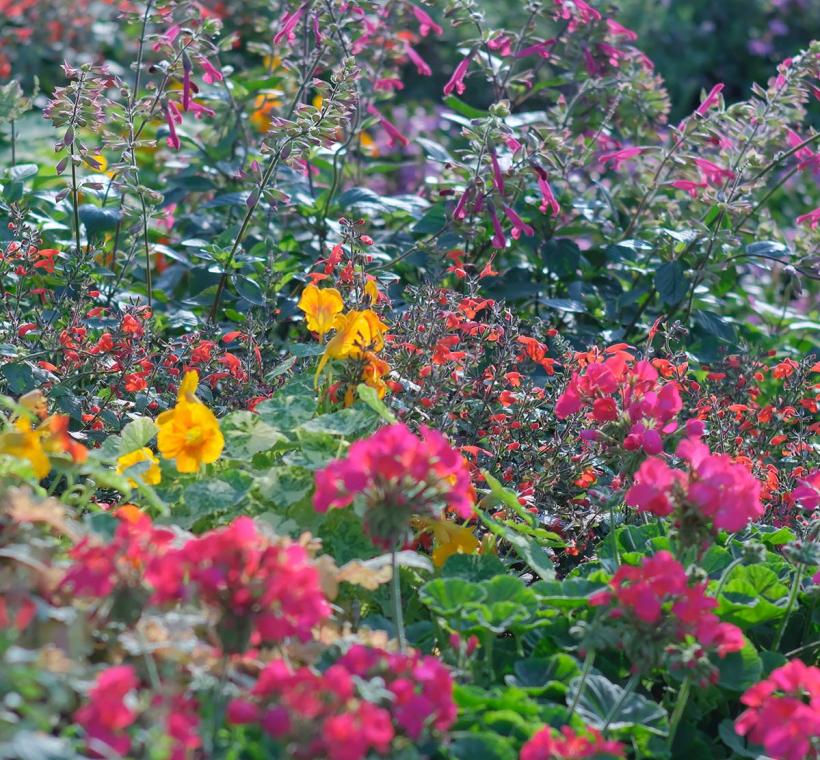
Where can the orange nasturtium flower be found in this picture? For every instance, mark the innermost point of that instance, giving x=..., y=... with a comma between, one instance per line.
x=24, y=443
x=189, y=433
x=321, y=307
x=151, y=475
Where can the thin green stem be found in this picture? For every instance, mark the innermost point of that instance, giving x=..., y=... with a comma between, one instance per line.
x=585, y=670
x=792, y=596
x=680, y=706
x=395, y=589
x=726, y=573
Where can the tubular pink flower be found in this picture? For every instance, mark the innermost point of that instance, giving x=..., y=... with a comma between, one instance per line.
x=288, y=24
x=710, y=99
x=173, y=138
x=396, y=137
x=498, y=177
x=518, y=224
x=498, y=240
x=211, y=73
x=419, y=62
x=456, y=81
x=426, y=23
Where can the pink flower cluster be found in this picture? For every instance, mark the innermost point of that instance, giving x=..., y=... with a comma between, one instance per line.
x=783, y=713
x=263, y=590
x=720, y=489
x=107, y=715
x=659, y=592
x=569, y=745
x=807, y=492
x=99, y=568
x=325, y=715
x=399, y=474
x=629, y=394
x=273, y=588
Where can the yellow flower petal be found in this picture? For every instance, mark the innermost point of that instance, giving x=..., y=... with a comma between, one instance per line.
x=321, y=307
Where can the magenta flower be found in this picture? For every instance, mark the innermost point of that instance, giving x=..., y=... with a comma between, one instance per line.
x=783, y=711
x=812, y=219
x=518, y=225
x=395, y=137
x=689, y=186
x=498, y=176
x=653, y=487
x=398, y=475
x=617, y=157
x=107, y=715
x=617, y=30
x=713, y=173
x=498, y=240
x=807, y=493
x=545, y=744
x=547, y=196
x=460, y=211
x=541, y=49
x=186, y=82
x=710, y=99
x=419, y=62
x=287, y=25
x=456, y=81
x=426, y=23
x=211, y=73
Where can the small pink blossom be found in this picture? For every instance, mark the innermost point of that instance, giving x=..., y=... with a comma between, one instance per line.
x=456, y=82
x=426, y=23
x=710, y=99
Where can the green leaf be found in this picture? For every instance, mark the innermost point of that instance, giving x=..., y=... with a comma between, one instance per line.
x=481, y=746
x=137, y=434
x=283, y=486
x=601, y=697
x=671, y=282
x=351, y=423
x=569, y=593
x=537, y=672
x=369, y=396
x=507, y=497
x=528, y=549
x=740, y=670
x=473, y=567
x=209, y=497
x=20, y=378
x=247, y=434
x=460, y=107
x=752, y=595
x=294, y=404
x=448, y=596
x=737, y=743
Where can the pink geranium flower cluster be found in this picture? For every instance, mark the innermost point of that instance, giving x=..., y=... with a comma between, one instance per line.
x=325, y=714
x=110, y=711
x=625, y=400
x=714, y=487
x=399, y=475
x=569, y=745
x=262, y=590
x=807, y=492
x=783, y=713
x=107, y=715
x=100, y=568
x=658, y=595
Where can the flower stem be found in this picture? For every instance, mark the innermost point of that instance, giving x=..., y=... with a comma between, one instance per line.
x=792, y=596
x=395, y=587
x=680, y=706
x=588, y=662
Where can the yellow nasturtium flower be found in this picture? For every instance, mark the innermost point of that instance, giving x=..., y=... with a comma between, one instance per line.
x=189, y=433
x=151, y=476
x=374, y=371
x=24, y=443
x=321, y=305
x=449, y=538
x=356, y=333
